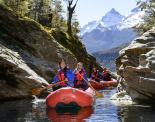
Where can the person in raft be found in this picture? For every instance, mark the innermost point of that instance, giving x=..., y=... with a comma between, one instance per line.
x=106, y=75
x=80, y=80
x=96, y=76
x=64, y=77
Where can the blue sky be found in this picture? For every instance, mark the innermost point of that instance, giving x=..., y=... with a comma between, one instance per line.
x=89, y=10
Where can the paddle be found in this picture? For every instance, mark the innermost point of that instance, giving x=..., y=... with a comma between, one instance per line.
x=37, y=91
x=98, y=94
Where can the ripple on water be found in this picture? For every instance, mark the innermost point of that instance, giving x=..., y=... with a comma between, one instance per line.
x=103, y=111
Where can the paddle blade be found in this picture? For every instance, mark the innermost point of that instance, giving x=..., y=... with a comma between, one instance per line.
x=37, y=91
x=99, y=95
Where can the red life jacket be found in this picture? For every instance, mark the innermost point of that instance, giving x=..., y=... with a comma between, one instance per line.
x=105, y=73
x=61, y=77
x=80, y=75
x=95, y=74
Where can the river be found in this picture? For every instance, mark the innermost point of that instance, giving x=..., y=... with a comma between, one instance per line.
x=103, y=111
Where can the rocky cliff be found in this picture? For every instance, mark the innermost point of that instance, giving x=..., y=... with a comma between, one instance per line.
x=29, y=54
x=136, y=68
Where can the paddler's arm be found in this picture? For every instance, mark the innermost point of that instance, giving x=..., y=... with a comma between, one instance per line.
x=54, y=81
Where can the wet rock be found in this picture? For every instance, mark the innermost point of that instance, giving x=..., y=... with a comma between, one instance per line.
x=121, y=98
x=136, y=68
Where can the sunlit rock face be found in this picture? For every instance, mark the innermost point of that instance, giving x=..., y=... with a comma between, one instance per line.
x=136, y=68
x=16, y=77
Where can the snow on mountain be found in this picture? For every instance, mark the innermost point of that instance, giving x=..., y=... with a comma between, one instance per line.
x=89, y=27
x=111, y=31
x=133, y=19
x=112, y=18
x=93, y=25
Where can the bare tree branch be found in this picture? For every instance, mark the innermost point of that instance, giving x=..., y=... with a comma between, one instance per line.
x=70, y=9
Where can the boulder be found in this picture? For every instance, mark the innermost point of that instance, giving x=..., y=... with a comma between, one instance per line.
x=17, y=79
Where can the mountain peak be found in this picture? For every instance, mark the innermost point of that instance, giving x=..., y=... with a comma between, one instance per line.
x=113, y=11
x=112, y=17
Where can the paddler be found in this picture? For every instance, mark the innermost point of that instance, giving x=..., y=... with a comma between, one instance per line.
x=64, y=77
x=106, y=75
x=96, y=76
x=80, y=80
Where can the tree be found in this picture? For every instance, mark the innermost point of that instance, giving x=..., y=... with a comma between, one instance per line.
x=75, y=25
x=57, y=10
x=18, y=6
x=40, y=10
x=70, y=11
x=149, y=19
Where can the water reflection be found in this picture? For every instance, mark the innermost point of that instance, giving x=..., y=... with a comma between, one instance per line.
x=103, y=111
x=14, y=111
x=137, y=113
x=69, y=115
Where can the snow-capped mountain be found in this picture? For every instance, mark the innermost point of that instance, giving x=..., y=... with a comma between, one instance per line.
x=112, y=18
x=111, y=31
x=135, y=18
x=91, y=26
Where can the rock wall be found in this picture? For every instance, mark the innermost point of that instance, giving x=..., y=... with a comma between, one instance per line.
x=16, y=77
x=28, y=55
x=136, y=68
x=37, y=48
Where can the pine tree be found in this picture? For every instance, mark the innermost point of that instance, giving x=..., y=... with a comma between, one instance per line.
x=40, y=10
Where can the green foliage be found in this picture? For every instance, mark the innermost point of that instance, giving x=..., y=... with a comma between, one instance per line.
x=18, y=6
x=40, y=10
x=1, y=2
x=75, y=27
x=149, y=19
x=47, y=12
x=58, y=21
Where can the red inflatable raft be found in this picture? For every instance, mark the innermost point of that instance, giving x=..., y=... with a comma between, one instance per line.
x=96, y=85
x=112, y=83
x=103, y=84
x=67, y=96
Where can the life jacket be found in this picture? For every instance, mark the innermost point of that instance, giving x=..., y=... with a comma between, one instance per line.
x=61, y=78
x=95, y=74
x=80, y=75
x=105, y=74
